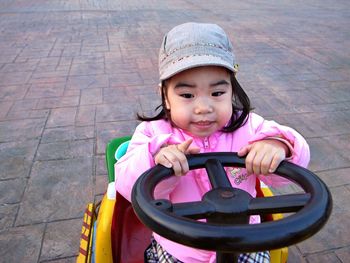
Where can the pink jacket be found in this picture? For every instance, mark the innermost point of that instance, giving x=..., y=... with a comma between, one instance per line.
x=150, y=136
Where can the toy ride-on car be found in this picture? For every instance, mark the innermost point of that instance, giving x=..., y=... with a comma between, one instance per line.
x=116, y=234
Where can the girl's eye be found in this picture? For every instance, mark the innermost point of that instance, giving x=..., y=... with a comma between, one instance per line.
x=218, y=93
x=187, y=95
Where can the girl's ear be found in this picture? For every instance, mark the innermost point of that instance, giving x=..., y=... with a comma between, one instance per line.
x=167, y=105
x=162, y=92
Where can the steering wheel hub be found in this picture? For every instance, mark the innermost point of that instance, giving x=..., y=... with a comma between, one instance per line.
x=228, y=201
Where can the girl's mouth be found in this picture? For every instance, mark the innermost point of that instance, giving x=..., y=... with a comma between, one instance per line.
x=203, y=124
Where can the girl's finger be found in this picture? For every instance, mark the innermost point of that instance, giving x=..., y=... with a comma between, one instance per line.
x=193, y=150
x=174, y=163
x=179, y=162
x=244, y=150
x=161, y=159
x=182, y=147
x=249, y=160
x=257, y=162
x=186, y=148
x=265, y=165
x=277, y=159
x=182, y=160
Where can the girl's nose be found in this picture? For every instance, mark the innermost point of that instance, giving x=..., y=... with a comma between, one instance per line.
x=203, y=106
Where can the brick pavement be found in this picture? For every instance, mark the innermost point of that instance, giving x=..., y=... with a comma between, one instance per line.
x=73, y=73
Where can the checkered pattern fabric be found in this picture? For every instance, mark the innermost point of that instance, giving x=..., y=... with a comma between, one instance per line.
x=156, y=254
x=256, y=257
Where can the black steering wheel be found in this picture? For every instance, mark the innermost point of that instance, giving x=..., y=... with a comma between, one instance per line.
x=227, y=209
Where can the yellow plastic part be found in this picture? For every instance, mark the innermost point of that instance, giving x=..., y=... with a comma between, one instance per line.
x=103, y=246
x=86, y=235
x=277, y=255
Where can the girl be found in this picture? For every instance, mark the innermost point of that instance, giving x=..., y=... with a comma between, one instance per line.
x=204, y=109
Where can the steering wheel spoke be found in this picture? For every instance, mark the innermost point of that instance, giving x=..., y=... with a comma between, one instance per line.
x=278, y=204
x=193, y=210
x=217, y=174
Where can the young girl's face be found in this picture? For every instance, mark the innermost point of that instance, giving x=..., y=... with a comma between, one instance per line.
x=200, y=100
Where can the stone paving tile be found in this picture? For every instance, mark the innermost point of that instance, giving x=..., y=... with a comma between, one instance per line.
x=335, y=177
x=91, y=96
x=8, y=214
x=341, y=142
x=14, y=78
x=115, y=112
x=21, y=244
x=58, y=102
x=4, y=108
x=15, y=92
x=126, y=79
x=100, y=165
x=61, y=117
x=73, y=75
x=63, y=260
x=320, y=258
x=149, y=102
x=56, y=190
x=59, y=239
x=341, y=106
x=16, y=159
x=50, y=81
x=335, y=233
x=343, y=254
x=117, y=95
x=45, y=90
x=100, y=184
x=15, y=130
x=325, y=156
x=106, y=131
x=29, y=114
x=86, y=69
x=336, y=92
x=320, y=124
x=12, y=190
x=294, y=255
x=24, y=105
x=71, y=133
x=86, y=115
x=88, y=81
x=65, y=150
x=45, y=75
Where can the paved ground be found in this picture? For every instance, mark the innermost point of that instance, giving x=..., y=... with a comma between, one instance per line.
x=73, y=73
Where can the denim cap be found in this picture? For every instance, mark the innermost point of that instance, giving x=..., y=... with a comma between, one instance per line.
x=193, y=45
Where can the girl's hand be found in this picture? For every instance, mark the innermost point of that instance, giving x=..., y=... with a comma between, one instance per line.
x=173, y=156
x=263, y=157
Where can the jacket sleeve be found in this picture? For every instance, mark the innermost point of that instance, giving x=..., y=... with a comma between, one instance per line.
x=300, y=152
x=138, y=159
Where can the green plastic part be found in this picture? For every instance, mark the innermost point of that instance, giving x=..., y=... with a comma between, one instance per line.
x=111, y=148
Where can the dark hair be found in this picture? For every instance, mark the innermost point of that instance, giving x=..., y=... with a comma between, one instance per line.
x=240, y=107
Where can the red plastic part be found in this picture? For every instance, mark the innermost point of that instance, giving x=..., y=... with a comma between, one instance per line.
x=130, y=237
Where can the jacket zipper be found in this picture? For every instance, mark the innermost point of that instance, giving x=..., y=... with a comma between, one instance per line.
x=206, y=143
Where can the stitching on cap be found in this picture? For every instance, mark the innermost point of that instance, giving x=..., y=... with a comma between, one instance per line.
x=209, y=55
x=192, y=45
